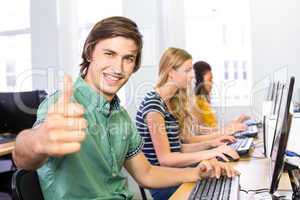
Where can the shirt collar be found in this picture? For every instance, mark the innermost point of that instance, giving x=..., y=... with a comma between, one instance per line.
x=94, y=100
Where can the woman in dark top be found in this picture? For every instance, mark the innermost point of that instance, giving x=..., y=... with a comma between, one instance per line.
x=161, y=117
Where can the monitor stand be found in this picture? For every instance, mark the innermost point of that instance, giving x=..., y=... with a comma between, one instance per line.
x=264, y=196
x=294, y=175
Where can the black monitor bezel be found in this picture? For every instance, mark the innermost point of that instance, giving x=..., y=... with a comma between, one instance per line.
x=285, y=128
x=275, y=98
x=270, y=91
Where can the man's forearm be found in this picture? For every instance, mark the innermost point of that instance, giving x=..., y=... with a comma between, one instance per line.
x=159, y=177
x=25, y=155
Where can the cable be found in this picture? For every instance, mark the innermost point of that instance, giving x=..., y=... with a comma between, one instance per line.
x=291, y=154
x=257, y=191
x=258, y=157
x=262, y=190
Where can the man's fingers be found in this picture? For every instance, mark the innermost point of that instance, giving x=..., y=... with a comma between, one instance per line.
x=228, y=171
x=67, y=110
x=217, y=170
x=57, y=122
x=63, y=149
x=68, y=90
x=205, y=166
x=63, y=136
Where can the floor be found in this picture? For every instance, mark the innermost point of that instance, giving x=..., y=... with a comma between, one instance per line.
x=4, y=196
x=4, y=165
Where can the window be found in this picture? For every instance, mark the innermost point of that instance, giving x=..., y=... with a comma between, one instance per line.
x=90, y=12
x=219, y=33
x=15, y=46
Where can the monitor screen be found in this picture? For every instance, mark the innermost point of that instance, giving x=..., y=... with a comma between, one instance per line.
x=18, y=110
x=275, y=98
x=279, y=98
x=281, y=135
x=270, y=91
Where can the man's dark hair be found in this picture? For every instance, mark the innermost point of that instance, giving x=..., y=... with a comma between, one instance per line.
x=109, y=28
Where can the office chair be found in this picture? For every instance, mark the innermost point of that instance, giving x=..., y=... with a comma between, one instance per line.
x=143, y=193
x=17, y=112
x=26, y=186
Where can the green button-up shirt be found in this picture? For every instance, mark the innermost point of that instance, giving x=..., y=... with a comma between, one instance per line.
x=95, y=171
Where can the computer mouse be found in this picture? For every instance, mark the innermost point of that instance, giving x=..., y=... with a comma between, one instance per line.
x=228, y=157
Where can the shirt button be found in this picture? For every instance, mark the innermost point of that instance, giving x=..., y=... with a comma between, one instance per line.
x=98, y=109
x=112, y=149
x=114, y=174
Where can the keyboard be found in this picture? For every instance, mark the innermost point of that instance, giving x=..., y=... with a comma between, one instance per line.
x=7, y=137
x=252, y=131
x=242, y=145
x=223, y=188
x=250, y=122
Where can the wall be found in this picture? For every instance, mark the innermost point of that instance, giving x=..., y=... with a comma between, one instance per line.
x=276, y=42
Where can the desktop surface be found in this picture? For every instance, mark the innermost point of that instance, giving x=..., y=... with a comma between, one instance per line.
x=7, y=137
x=255, y=174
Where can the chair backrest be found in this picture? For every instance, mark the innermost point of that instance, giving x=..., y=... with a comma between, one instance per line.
x=26, y=186
x=143, y=193
x=18, y=109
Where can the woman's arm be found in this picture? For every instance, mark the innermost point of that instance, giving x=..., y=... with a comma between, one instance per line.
x=157, y=129
x=200, y=146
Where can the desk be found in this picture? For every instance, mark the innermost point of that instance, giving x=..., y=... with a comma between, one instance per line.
x=6, y=148
x=255, y=174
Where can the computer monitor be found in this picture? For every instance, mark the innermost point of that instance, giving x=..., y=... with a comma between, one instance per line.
x=275, y=98
x=18, y=110
x=279, y=98
x=270, y=91
x=281, y=135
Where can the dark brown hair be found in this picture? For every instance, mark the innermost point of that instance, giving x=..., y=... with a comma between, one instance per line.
x=109, y=28
x=200, y=68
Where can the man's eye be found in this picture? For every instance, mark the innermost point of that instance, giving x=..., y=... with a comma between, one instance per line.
x=108, y=53
x=129, y=59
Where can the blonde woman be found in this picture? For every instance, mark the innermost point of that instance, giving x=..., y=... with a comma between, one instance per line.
x=160, y=121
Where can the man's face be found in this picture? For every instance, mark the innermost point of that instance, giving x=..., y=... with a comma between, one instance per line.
x=112, y=62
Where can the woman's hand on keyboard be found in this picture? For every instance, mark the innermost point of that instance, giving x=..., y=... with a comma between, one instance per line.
x=225, y=150
x=234, y=127
x=242, y=118
x=224, y=139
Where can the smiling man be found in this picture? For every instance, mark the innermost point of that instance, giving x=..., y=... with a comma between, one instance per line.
x=83, y=138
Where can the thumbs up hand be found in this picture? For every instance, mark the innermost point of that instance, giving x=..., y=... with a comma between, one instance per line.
x=63, y=129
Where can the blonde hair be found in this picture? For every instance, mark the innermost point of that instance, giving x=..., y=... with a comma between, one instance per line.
x=171, y=59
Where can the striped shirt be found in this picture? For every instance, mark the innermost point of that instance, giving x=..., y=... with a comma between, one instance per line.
x=154, y=103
